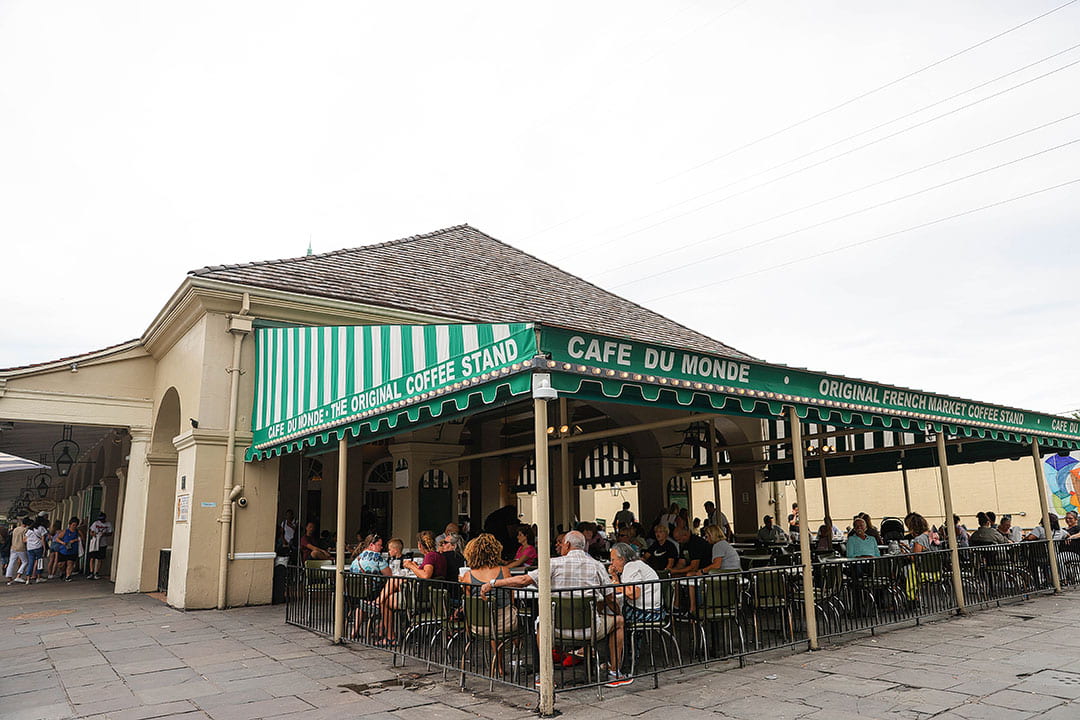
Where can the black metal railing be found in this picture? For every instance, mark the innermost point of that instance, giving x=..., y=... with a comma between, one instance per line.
x=638, y=630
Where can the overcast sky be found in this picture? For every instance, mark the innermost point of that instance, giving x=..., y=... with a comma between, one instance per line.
x=692, y=156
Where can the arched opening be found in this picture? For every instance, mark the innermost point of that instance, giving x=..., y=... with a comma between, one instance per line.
x=162, y=490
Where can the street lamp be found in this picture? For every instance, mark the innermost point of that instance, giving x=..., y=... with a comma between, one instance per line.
x=65, y=451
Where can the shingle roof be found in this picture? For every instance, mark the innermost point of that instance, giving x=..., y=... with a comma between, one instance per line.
x=463, y=274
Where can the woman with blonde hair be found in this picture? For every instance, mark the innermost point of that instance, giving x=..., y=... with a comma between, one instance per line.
x=483, y=555
x=724, y=557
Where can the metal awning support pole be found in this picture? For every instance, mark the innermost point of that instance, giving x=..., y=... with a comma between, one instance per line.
x=542, y=392
x=946, y=495
x=907, y=488
x=1044, y=504
x=566, y=485
x=804, y=536
x=339, y=563
x=715, y=468
x=825, y=494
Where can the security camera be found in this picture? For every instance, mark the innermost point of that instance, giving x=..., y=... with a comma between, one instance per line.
x=241, y=501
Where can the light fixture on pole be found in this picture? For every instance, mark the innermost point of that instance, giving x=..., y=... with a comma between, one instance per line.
x=41, y=480
x=65, y=453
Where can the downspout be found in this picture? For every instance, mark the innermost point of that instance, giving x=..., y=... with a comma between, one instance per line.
x=239, y=327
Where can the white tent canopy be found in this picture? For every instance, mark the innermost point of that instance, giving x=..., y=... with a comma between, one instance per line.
x=10, y=463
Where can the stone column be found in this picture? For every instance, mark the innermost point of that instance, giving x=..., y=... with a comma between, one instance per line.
x=129, y=548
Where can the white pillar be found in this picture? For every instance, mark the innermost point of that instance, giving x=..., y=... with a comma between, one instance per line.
x=946, y=494
x=804, y=534
x=339, y=570
x=543, y=550
x=1044, y=504
x=129, y=549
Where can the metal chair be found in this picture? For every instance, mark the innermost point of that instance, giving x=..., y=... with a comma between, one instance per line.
x=658, y=625
x=574, y=623
x=481, y=625
x=769, y=593
x=720, y=603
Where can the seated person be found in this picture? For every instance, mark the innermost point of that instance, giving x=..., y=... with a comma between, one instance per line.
x=986, y=535
x=1009, y=531
x=370, y=561
x=433, y=565
x=1039, y=533
x=484, y=557
x=595, y=544
x=724, y=557
x=662, y=554
x=449, y=548
x=309, y=547
x=694, y=552
x=870, y=529
x=526, y=555
x=823, y=541
x=770, y=534
x=395, y=549
x=860, y=544
x=642, y=601
x=573, y=568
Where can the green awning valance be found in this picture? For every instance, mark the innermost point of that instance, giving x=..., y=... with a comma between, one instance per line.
x=621, y=370
x=315, y=385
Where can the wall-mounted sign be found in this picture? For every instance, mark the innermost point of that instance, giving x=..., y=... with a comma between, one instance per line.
x=183, y=508
x=208, y=504
x=43, y=505
x=401, y=474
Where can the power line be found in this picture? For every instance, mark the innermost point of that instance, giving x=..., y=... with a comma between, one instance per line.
x=868, y=93
x=847, y=193
x=839, y=155
x=867, y=241
x=853, y=213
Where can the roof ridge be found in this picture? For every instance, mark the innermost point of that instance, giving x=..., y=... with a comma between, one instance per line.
x=604, y=290
x=299, y=258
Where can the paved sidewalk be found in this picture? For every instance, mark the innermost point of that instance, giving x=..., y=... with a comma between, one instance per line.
x=76, y=650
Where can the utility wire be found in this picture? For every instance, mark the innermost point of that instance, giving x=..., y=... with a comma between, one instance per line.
x=853, y=213
x=868, y=93
x=912, y=171
x=839, y=155
x=867, y=241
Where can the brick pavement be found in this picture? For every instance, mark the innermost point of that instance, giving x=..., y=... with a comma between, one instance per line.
x=77, y=651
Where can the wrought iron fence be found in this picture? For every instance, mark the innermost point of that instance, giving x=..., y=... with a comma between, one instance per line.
x=612, y=634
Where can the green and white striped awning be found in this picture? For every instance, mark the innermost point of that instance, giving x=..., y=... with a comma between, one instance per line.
x=315, y=385
x=612, y=369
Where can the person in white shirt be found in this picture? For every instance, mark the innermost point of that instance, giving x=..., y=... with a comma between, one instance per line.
x=642, y=601
x=35, y=550
x=100, y=532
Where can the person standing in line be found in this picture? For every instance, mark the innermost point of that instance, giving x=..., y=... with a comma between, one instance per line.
x=288, y=528
x=70, y=539
x=100, y=533
x=5, y=549
x=35, y=549
x=55, y=548
x=793, y=523
x=17, y=566
x=625, y=517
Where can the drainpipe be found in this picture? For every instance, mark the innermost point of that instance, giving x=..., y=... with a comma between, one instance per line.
x=239, y=327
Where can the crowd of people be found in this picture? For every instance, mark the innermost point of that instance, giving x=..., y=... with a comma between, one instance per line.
x=33, y=551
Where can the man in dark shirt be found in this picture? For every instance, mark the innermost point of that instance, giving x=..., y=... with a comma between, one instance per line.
x=309, y=548
x=695, y=552
x=662, y=554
